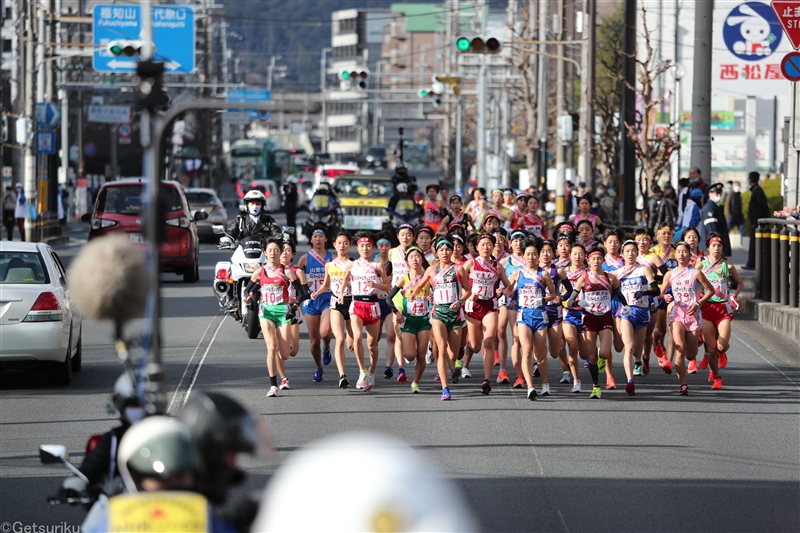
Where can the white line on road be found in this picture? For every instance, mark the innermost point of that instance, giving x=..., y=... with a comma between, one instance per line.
x=210, y=343
x=767, y=360
x=189, y=366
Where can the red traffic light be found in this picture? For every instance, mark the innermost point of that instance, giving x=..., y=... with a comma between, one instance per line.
x=492, y=45
x=363, y=74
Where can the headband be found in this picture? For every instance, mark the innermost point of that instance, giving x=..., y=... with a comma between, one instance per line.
x=497, y=190
x=365, y=239
x=567, y=227
x=426, y=229
x=320, y=231
x=456, y=197
x=521, y=195
x=443, y=242
x=405, y=226
x=669, y=228
x=715, y=239
x=590, y=254
x=630, y=241
x=384, y=241
x=415, y=249
x=643, y=234
x=484, y=236
x=683, y=243
x=563, y=237
x=518, y=234
x=457, y=237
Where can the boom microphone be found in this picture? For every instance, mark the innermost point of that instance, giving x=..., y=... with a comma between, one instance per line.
x=108, y=279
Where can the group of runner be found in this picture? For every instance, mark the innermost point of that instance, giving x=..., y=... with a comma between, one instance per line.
x=446, y=293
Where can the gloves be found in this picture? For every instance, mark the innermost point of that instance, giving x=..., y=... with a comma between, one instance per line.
x=71, y=488
x=572, y=298
x=291, y=311
x=625, y=310
x=637, y=295
x=734, y=302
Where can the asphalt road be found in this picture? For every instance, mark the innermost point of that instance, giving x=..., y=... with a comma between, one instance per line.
x=713, y=461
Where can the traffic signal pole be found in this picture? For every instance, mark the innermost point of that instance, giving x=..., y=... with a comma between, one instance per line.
x=544, y=89
x=561, y=164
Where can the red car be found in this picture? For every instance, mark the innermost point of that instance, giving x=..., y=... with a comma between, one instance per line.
x=118, y=208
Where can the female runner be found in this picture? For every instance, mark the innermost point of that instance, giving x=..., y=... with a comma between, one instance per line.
x=405, y=236
x=458, y=257
x=530, y=221
x=425, y=237
x=684, y=308
x=511, y=263
x=666, y=252
x=457, y=216
x=534, y=287
x=481, y=307
x=365, y=278
x=317, y=311
x=597, y=287
x=384, y=246
x=612, y=240
x=572, y=324
x=500, y=253
x=692, y=237
x=718, y=310
x=648, y=258
x=584, y=208
x=554, y=309
x=586, y=234
x=291, y=328
x=412, y=312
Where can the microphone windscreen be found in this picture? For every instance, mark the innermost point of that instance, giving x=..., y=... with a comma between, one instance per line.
x=108, y=279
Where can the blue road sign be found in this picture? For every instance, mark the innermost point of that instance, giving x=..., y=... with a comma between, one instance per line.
x=46, y=142
x=251, y=95
x=791, y=66
x=47, y=114
x=173, y=36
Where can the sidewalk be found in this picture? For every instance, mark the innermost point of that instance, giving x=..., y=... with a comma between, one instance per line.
x=72, y=232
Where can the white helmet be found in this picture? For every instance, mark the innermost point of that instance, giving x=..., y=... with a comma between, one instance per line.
x=255, y=195
x=398, y=499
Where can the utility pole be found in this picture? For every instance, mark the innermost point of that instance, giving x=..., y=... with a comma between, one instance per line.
x=323, y=88
x=627, y=210
x=459, y=136
x=506, y=108
x=561, y=164
x=701, y=91
x=481, y=155
x=587, y=131
x=541, y=101
x=29, y=158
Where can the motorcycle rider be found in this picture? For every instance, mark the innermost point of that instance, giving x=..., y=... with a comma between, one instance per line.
x=254, y=220
x=401, y=176
x=223, y=429
x=401, y=192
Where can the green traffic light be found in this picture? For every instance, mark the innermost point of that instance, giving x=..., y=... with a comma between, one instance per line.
x=116, y=50
x=423, y=93
x=462, y=44
x=345, y=75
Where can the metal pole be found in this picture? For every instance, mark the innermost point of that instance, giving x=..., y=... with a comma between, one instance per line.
x=586, y=135
x=459, y=136
x=541, y=100
x=561, y=165
x=759, y=236
x=113, y=154
x=766, y=262
x=30, y=101
x=323, y=87
x=628, y=156
x=701, y=90
x=775, y=265
x=794, y=267
x=481, y=155
x=784, y=265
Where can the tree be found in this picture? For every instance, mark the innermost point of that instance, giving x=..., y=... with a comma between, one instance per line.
x=654, y=144
x=608, y=95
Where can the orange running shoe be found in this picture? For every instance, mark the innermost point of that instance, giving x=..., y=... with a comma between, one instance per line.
x=662, y=360
x=519, y=383
x=659, y=351
x=723, y=359
x=610, y=383
x=710, y=375
x=692, y=367
x=496, y=358
x=502, y=377
x=704, y=362
x=667, y=367
x=717, y=385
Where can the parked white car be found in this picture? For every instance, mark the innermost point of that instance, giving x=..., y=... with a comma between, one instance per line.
x=39, y=326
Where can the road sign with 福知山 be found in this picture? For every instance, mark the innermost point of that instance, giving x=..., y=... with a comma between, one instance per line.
x=788, y=12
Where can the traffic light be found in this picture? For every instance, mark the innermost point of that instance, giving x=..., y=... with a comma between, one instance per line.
x=431, y=93
x=349, y=78
x=478, y=45
x=126, y=47
x=150, y=84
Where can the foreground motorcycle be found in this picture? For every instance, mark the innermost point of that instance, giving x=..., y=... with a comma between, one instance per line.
x=231, y=278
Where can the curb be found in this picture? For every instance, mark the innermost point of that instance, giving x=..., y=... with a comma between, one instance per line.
x=780, y=318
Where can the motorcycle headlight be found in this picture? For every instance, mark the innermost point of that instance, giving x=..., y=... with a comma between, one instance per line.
x=250, y=267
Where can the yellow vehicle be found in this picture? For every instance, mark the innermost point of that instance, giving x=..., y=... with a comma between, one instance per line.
x=364, y=199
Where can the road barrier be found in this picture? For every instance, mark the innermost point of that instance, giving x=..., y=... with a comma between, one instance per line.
x=778, y=261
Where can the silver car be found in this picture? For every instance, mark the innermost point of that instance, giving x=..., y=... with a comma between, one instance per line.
x=208, y=201
x=39, y=326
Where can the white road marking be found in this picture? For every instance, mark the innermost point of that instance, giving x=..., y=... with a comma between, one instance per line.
x=210, y=343
x=189, y=365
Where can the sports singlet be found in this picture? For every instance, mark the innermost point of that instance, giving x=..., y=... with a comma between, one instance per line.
x=337, y=271
x=445, y=284
x=274, y=286
x=684, y=286
x=484, y=278
x=553, y=270
x=718, y=274
x=530, y=289
x=417, y=306
x=668, y=257
x=387, y=267
x=596, y=293
x=432, y=214
x=399, y=264
x=611, y=264
x=315, y=269
x=630, y=282
x=590, y=217
x=362, y=275
x=459, y=220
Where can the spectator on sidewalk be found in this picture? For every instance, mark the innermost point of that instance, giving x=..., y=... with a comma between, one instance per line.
x=696, y=180
x=653, y=202
x=666, y=209
x=733, y=206
x=9, y=203
x=21, y=211
x=758, y=208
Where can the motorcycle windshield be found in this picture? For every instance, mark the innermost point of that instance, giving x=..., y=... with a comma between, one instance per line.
x=251, y=246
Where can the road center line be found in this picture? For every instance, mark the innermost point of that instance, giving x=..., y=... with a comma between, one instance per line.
x=189, y=365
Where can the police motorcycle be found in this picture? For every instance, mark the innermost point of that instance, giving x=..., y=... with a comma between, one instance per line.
x=402, y=210
x=231, y=278
x=323, y=208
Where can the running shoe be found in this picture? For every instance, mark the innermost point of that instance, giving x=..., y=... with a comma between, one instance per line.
x=437, y=378
x=723, y=359
x=326, y=356
x=576, y=386
x=637, y=369
x=429, y=355
x=667, y=368
x=414, y=388
x=662, y=361
x=502, y=377
x=684, y=390
x=586, y=364
x=401, y=375
x=545, y=389
x=496, y=358
x=486, y=387
x=645, y=366
x=701, y=340
x=532, y=394
x=519, y=383
x=388, y=372
x=710, y=375
x=601, y=365
x=455, y=374
x=535, y=370
x=284, y=384
x=362, y=378
x=343, y=383
x=465, y=373
x=630, y=388
x=596, y=393
x=445, y=394
x=610, y=383
x=703, y=362
x=370, y=383
x=459, y=364
x=659, y=351
x=717, y=385
x=273, y=391
x=318, y=375
x=692, y=367
x=566, y=377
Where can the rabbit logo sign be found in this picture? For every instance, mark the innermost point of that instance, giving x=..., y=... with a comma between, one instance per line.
x=752, y=31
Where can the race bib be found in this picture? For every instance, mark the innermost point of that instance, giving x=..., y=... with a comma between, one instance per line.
x=315, y=281
x=535, y=230
x=683, y=297
x=720, y=286
x=469, y=306
x=484, y=289
x=362, y=287
x=634, y=302
x=272, y=294
x=597, y=303
x=336, y=285
x=418, y=306
x=445, y=293
x=530, y=297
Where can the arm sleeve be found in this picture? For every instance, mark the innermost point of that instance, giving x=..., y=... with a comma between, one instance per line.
x=620, y=296
x=390, y=297
x=567, y=284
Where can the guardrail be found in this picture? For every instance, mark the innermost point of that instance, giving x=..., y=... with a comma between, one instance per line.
x=778, y=261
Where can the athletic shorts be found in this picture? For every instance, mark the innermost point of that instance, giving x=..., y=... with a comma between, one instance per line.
x=385, y=311
x=574, y=317
x=368, y=312
x=639, y=317
x=616, y=305
x=535, y=319
x=344, y=309
x=478, y=309
x=317, y=306
x=415, y=324
x=716, y=312
x=597, y=323
x=680, y=314
x=555, y=314
x=274, y=313
x=452, y=318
